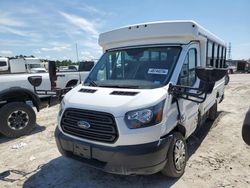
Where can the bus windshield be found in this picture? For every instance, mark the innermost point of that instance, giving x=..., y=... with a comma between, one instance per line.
x=144, y=68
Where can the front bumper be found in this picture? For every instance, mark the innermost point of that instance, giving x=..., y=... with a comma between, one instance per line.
x=127, y=160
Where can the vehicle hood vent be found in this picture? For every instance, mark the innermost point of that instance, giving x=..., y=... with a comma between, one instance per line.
x=125, y=93
x=87, y=90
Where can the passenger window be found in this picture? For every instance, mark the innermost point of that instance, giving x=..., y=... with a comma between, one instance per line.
x=215, y=55
x=187, y=75
x=209, y=54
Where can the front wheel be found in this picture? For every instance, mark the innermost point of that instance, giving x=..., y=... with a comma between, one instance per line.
x=177, y=157
x=17, y=119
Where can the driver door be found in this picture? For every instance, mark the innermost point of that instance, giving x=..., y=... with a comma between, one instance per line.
x=187, y=77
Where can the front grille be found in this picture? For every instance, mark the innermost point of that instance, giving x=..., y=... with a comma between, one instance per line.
x=102, y=125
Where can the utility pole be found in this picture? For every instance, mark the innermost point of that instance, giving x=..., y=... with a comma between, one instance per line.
x=229, y=51
x=77, y=59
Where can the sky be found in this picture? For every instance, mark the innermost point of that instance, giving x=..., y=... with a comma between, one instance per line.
x=51, y=29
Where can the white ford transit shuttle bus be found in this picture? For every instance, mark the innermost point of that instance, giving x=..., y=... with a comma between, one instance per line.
x=153, y=86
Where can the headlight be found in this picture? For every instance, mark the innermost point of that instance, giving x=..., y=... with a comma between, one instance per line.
x=61, y=107
x=144, y=117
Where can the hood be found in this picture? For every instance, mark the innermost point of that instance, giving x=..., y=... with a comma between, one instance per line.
x=113, y=100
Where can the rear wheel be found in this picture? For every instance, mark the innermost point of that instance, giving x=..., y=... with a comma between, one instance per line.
x=177, y=157
x=212, y=114
x=17, y=119
x=227, y=79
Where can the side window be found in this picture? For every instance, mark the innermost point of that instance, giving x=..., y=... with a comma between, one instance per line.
x=86, y=66
x=3, y=64
x=187, y=76
x=215, y=55
x=209, y=54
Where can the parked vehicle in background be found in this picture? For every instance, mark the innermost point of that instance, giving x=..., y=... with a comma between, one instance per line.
x=73, y=74
x=246, y=128
x=21, y=65
x=20, y=94
x=153, y=86
x=4, y=64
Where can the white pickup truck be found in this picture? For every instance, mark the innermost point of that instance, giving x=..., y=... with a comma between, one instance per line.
x=65, y=78
x=21, y=91
x=71, y=77
x=17, y=99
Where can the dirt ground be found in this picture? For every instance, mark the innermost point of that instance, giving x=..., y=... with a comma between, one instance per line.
x=218, y=156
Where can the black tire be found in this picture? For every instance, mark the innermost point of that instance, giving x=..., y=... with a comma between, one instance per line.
x=246, y=128
x=19, y=126
x=212, y=114
x=171, y=169
x=227, y=79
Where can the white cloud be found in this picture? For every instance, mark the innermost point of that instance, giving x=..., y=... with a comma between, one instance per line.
x=7, y=20
x=6, y=52
x=86, y=55
x=80, y=22
x=90, y=9
x=5, y=29
x=56, y=48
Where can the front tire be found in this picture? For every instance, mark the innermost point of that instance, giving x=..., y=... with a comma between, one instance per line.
x=177, y=157
x=17, y=119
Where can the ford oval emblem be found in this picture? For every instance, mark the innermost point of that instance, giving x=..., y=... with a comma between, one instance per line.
x=83, y=124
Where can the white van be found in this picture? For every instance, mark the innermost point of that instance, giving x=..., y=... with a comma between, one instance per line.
x=145, y=96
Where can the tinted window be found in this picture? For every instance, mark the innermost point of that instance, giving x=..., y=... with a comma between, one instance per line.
x=3, y=63
x=187, y=75
x=210, y=49
x=86, y=66
x=209, y=53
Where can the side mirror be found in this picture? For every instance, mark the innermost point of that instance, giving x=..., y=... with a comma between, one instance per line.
x=208, y=77
x=52, y=71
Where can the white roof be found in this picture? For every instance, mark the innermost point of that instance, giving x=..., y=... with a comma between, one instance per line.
x=156, y=33
x=3, y=59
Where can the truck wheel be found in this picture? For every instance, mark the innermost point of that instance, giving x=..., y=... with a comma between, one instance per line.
x=177, y=157
x=17, y=119
x=227, y=79
x=212, y=114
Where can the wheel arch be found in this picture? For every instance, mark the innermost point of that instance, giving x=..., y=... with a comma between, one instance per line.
x=181, y=129
x=72, y=82
x=18, y=94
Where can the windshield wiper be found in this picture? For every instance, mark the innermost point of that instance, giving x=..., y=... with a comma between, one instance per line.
x=92, y=83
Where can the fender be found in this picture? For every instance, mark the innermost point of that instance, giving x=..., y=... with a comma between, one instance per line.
x=20, y=94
